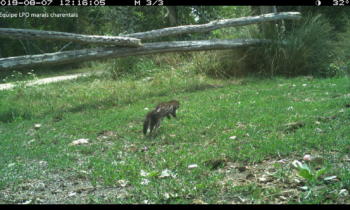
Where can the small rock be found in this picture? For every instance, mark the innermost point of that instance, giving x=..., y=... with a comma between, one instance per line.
x=122, y=183
x=72, y=194
x=343, y=193
x=80, y=141
x=283, y=198
x=40, y=187
x=193, y=166
x=262, y=180
x=295, y=164
x=28, y=202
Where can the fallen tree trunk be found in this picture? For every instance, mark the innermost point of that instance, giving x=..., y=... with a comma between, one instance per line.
x=217, y=24
x=49, y=59
x=68, y=37
x=133, y=40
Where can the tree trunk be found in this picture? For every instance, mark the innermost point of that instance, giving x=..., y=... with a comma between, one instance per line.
x=172, y=15
x=266, y=26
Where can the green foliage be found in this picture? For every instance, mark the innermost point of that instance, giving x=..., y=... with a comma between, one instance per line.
x=334, y=70
x=341, y=55
x=307, y=173
x=234, y=12
x=20, y=81
x=89, y=20
x=307, y=50
x=338, y=15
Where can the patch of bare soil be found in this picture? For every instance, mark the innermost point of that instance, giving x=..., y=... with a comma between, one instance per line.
x=61, y=188
x=275, y=181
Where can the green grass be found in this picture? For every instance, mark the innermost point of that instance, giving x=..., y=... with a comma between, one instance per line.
x=110, y=114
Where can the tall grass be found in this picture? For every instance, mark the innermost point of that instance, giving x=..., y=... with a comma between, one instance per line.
x=307, y=52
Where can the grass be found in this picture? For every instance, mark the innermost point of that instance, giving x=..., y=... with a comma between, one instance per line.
x=234, y=140
x=119, y=165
